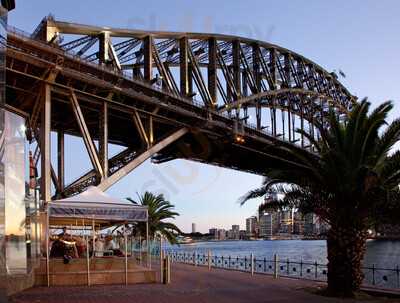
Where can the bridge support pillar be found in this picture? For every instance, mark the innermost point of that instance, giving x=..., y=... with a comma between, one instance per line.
x=236, y=67
x=190, y=80
x=60, y=160
x=257, y=79
x=104, y=45
x=183, y=65
x=212, y=70
x=245, y=92
x=103, y=138
x=148, y=58
x=45, y=141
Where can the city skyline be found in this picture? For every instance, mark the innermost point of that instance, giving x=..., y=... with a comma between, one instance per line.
x=206, y=194
x=271, y=225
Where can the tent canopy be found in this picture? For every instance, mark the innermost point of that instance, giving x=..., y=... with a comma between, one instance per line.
x=94, y=205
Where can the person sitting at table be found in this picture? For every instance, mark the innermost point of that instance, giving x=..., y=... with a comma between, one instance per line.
x=57, y=249
x=111, y=245
x=80, y=245
x=63, y=234
x=99, y=247
x=65, y=248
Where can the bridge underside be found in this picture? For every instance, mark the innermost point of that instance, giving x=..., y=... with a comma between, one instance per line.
x=204, y=141
x=93, y=98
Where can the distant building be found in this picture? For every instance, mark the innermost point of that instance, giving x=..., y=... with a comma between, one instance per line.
x=269, y=225
x=242, y=235
x=193, y=228
x=234, y=233
x=251, y=226
x=265, y=225
x=310, y=224
x=286, y=221
x=298, y=223
x=313, y=226
x=217, y=234
x=213, y=232
x=221, y=234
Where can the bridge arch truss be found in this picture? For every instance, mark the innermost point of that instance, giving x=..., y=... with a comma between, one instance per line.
x=194, y=85
x=225, y=73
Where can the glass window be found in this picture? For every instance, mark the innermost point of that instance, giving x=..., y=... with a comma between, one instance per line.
x=3, y=35
x=15, y=202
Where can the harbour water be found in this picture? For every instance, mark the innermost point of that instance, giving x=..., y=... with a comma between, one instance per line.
x=380, y=253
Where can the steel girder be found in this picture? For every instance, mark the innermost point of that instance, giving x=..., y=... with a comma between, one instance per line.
x=268, y=67
x=113, y=81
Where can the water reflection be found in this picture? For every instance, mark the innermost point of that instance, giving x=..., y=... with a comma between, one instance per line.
x=380, y=253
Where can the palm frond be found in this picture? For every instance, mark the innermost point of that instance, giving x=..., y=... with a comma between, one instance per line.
x=352, y=172
x=159, y=210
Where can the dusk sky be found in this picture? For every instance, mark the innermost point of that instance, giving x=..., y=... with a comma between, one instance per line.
x=361, y=38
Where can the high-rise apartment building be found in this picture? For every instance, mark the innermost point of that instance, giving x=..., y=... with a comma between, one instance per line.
x=251, y=226
x=265, y=225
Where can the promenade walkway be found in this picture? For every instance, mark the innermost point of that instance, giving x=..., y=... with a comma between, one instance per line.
x=191, y=285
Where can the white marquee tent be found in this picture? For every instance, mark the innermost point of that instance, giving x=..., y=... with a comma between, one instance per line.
x=94, y=204
x=96, y=209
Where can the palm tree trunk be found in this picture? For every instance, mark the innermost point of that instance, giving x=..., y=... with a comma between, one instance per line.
x=346, y=247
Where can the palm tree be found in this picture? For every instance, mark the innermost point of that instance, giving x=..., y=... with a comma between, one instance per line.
x=159, y=210
x=351, y=182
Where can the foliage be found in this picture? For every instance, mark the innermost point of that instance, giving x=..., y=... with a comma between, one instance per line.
x=159, y=210
x=351, y=182
x=350, y=173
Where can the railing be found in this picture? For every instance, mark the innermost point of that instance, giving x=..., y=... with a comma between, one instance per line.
x=373, y=276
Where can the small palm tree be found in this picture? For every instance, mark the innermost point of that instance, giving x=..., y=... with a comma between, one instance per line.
x=159, y=210
x=351, y=182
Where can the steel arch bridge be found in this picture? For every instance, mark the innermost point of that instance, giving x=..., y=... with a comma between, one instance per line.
x=216, y=99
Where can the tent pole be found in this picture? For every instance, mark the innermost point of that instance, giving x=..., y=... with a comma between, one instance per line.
x=149, y=251
x=94, y=235
x=131, y=246
x=161, y=260
x=126, y=258
x=147, y=244
x=140, y=249
x=47, y=248
x=87, y=260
